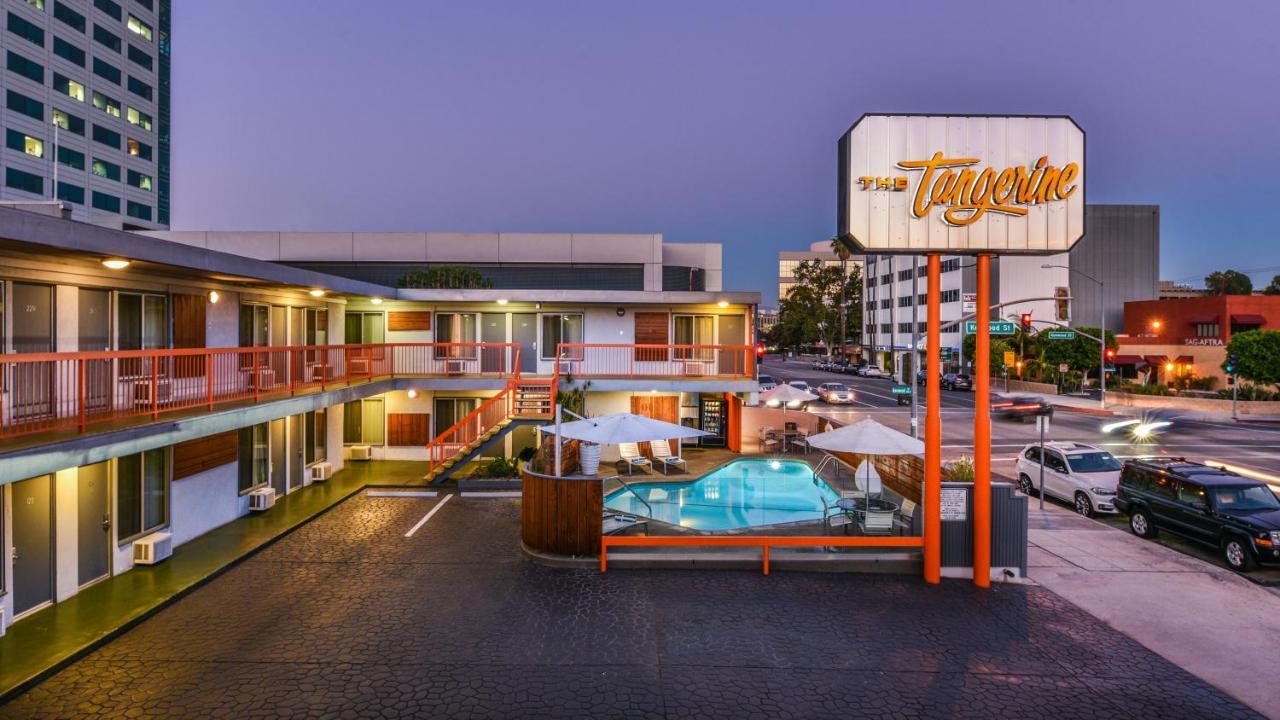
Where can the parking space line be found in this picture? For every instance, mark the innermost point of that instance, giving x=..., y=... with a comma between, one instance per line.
x=401, y=493
x=427, y=517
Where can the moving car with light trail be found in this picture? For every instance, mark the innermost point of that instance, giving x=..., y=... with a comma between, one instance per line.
x=835, y=393
x=1020, y=407
x=766, y=382
x=1140, y=430
x=1083, y=475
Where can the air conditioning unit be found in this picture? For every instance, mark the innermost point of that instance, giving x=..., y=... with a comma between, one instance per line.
x=321, y=471
x=262, y=499
x=360, y=452
x=152, y=548
x=2, y=625
x=455, y=367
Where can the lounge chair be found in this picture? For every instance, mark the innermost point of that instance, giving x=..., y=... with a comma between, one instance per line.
x=662, y=457
x=876, y=522
x=630, y=453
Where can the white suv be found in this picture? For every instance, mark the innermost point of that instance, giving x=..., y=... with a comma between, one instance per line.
x=1080, y=474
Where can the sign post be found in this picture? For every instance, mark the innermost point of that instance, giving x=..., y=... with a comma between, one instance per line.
x=1042, y=424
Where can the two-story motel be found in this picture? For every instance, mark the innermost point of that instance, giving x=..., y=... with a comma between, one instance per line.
x=156, y=386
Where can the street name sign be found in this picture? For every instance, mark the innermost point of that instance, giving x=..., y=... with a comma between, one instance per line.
x=901, y=390
x=997, y=327
x=1062, y=334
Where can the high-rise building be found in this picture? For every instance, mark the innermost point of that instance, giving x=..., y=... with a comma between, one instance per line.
x=789, y=260
x=86, y=101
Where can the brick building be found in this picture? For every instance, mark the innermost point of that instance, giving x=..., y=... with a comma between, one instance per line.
x=1178, y=337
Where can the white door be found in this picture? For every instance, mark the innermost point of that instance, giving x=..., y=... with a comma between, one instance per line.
x=1057, y=480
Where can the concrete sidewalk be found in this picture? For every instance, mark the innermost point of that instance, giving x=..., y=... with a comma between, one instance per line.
x=1203, y=618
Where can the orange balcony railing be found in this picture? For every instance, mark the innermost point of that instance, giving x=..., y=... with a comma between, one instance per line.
x=460, y=436
x=60, y=391
x=655, y=361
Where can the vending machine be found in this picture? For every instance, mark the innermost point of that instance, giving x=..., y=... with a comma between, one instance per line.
x=712, y=414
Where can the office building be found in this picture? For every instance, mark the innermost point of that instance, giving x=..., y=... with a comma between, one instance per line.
x=86, y=101
x=789, y=260
x=158, y=385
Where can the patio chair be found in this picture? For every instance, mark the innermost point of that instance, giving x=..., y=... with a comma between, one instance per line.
x=834, y=517
x=906, y=516
x=876, y=522
x=662, y=457
x=801, y=440
x=769, y=441
x=630, y=453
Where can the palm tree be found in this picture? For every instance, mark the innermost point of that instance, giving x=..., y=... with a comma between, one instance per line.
x=842, y=251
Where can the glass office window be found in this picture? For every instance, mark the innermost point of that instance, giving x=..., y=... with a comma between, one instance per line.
x=26, y=30
x=68, y=87
x=140, y=28
x=70, y=158
x=70, y=193
x=138, y=210
x=68, y=122
x=106, y=136
x=139, y=118
x=68, y=16
x=139, y=88
x=24, y=143
x=109, y=7
x=29, y=69
x=107, y=71
x=105, y=169
x=107, y=104
x=111, y=40
x=67, y=51
x=140, y=57
x=20, y=103
x=139, y=149
x=25, y=181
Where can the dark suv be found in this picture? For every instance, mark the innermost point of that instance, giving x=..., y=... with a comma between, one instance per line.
x=1239, y=516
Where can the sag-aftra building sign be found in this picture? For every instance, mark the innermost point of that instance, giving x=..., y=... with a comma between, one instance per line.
x=962, y=184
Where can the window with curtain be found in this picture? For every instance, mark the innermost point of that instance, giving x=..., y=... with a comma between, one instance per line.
x=314, y=448
x=142, y=322
x=142, y=493
x=254, y=457
x=558, y=328
x=362, y=422
x=459, y=328
x=694, y=330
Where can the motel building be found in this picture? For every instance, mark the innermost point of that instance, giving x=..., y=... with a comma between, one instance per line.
x=1170, y=339
x=158, y=385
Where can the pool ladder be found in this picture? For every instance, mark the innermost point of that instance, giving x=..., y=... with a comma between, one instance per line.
x=632, y=491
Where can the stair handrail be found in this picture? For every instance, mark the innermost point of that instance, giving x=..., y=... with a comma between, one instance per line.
x=440, y=440
x=632, y=491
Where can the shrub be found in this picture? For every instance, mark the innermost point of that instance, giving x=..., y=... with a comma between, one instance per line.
x=1250, y=392
x=499, y=467
x=452, y=277
x=959, y=470
x=1151, y=389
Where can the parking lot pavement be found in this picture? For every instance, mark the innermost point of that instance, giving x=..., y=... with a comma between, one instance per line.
x=348, y=617
x=1205, y=618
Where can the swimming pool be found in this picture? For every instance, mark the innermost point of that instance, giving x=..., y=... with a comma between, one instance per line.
x=743, y=493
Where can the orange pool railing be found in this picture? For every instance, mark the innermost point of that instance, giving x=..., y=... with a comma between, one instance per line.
x=761, y=541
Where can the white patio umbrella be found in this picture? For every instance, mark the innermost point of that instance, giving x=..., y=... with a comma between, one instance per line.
x=786, y=394
x=621, y=428
x=867, y=437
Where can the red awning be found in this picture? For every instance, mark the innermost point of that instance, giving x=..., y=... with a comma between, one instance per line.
x=1248, y=320
x=1129, y=360
x=1185, y=360
x=1157, y=359
x=1205, y=319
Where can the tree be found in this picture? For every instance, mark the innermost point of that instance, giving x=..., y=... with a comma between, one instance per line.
x=1259, y=352
x=999, y=346
x=449, y=277
x=1082, y=354
x=1274, y=287
x=812, y=311
x=1228, y=282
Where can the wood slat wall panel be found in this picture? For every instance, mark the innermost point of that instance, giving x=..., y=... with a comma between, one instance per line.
x=189, y=332
x=408, y=429
x=402, y=320
x=206, y=453
x=561, y=515
x=651, y=328
x=659, y=407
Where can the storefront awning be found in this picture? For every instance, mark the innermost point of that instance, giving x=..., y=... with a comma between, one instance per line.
x=1157, y=359
x=1129, y=360
x=1248, y=320
x=1203, y=319
x=1185, y=360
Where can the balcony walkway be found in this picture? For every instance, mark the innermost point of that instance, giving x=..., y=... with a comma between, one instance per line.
x=45, y=641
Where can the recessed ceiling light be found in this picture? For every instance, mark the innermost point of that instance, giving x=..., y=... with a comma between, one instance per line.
x=115, y=263
x=723, y=303
x=376, y=301
x=502, y=301
x=317, y=293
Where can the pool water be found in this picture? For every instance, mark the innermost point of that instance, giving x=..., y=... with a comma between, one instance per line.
x=743, y=493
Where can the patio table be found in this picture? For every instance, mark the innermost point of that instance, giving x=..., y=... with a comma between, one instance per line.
x=859, y=504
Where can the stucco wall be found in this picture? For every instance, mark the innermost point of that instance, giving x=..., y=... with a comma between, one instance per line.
x=204, y=501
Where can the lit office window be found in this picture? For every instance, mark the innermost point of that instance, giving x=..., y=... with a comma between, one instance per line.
x=68, y=87
x=108, y=105
x=139, y=180
x=37, y=4
x=104, y=169
x=24, y=143
x=139, y=118
x=68, y=122
x=139, y=27
x=139, y=149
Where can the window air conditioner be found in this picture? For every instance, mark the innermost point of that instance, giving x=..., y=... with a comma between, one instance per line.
x=152, y=548
x=262, y=499
x=321, y=471
x=361, y=452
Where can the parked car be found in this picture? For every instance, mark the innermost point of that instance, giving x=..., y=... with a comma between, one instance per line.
x=1083, y=475
x=836, y=393
x=1020, y=407
x=870, y=371
x=821, y=364
x=957, y=381
x=1237, y=515
x=766, y=382
x=850, y=368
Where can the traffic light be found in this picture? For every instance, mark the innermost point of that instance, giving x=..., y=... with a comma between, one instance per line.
x=1233, y=361
x=1026, y=322
x=1111, y=354
x=759, y=350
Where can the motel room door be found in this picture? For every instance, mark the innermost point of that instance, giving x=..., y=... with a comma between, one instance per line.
x=32, y=543
x=493, y=329
x=733, y=331
x=32, y=384
x=524, y=330
x=93, y=523
x=95, y=336
x=297, y=459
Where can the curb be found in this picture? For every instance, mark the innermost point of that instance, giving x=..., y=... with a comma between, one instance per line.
x=1087, y=411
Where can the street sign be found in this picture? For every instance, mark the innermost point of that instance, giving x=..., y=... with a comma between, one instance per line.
x=945, y=354
x=1009, y=358
x=1064, y=368
x=901, y=390
x=997, y=327
x=1062, y=334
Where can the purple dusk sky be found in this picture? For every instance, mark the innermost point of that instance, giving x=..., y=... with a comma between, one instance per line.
x=704, y=121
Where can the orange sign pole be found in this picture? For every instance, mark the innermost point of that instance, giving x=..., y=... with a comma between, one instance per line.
x=933, y=428
x=982, y=429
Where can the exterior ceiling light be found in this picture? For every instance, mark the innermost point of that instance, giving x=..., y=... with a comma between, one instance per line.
x=316, y=293
x=723, y=303
x=502, y=301
x=413, y=394
x=115, y=263
x=376, y=301
x=214, y=296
